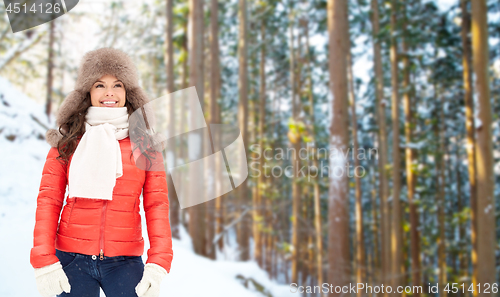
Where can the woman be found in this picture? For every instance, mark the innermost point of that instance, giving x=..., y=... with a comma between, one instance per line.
x=98, y=242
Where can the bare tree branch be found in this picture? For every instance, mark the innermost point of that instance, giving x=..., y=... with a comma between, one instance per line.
x=20, y=48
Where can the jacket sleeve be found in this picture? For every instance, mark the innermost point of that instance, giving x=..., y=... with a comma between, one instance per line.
x=156, y=208
x=49, y=203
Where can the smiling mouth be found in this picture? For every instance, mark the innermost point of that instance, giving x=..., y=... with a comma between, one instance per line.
x=109, y=102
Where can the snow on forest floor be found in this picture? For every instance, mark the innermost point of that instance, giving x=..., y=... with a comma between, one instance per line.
x=22, y=158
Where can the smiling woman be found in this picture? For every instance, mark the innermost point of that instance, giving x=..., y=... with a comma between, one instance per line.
x=108, y=91
x=98, y=241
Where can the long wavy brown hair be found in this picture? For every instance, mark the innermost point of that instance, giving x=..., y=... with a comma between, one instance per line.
x=72, y=130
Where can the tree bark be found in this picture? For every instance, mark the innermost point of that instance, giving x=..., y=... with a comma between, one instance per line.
x=197, y=213
x=214, y=105
x=360, y=244
x=242, y=230
x=214, y=213
x=252, y=135
x=410, y=173
x=185, y=52
x=338, y=209
x=485, y=212
x=374, y=262
x=462, y=253
x=169, y=67
x=294, y=138
x=469, y=127
x=259, y=238
x=382, y=153
x=184, y=84
x=396, y=230
x=440, y=195
x=317, y=201
x=169, y=46
x=184, y=57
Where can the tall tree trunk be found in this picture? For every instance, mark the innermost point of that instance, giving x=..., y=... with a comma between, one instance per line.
x=262, y=118
x=396, y=230
x=382, y=153
x=169, y=46
x=410, y=173
x=309, y=272
x=375, y=260
x=360, y=244
x=338, y=208
x=304, y=235
x=252, y=135
x=185, y=52
x=50, y=67
x=440, y=169
x=485, y=212
x=294, y=138
x=169, y=65
x=184, y=84
x=214, y=213
x=214, y=105
x=268, y=237
x=317, y=201
x=273, y=259
x=462, y=253
x=243, y=232
x=197, y=213
x=469, y=126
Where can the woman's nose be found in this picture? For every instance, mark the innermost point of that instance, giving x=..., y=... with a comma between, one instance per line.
x=109, y=92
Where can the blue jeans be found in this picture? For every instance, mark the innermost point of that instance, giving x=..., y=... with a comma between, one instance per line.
x=117, y=276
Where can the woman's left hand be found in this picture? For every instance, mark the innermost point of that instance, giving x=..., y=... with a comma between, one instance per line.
x=149, y=286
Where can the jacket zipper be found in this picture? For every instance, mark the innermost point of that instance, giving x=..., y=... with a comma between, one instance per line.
x=103, y=219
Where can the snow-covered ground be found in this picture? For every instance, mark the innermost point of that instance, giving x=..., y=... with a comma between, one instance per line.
x=22, y=157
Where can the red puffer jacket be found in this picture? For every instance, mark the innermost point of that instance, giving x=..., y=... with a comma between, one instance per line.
x=102, y=227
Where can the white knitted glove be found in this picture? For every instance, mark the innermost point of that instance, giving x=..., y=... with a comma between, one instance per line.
x=51, y=280
x=149, y=286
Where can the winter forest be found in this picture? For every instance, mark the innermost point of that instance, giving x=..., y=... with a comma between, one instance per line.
x=370, y=128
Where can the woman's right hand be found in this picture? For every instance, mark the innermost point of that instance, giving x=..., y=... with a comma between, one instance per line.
x=51, y=280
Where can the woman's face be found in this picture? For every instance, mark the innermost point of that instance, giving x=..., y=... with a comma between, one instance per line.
x=108, y=91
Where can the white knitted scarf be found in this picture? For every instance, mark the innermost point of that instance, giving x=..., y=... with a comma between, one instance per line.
x=97, y=160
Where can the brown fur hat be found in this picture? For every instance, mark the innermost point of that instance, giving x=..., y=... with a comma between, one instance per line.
x=93, y=66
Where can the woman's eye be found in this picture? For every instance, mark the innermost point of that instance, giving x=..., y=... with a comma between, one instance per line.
x=120, y=85
x=100, y=85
